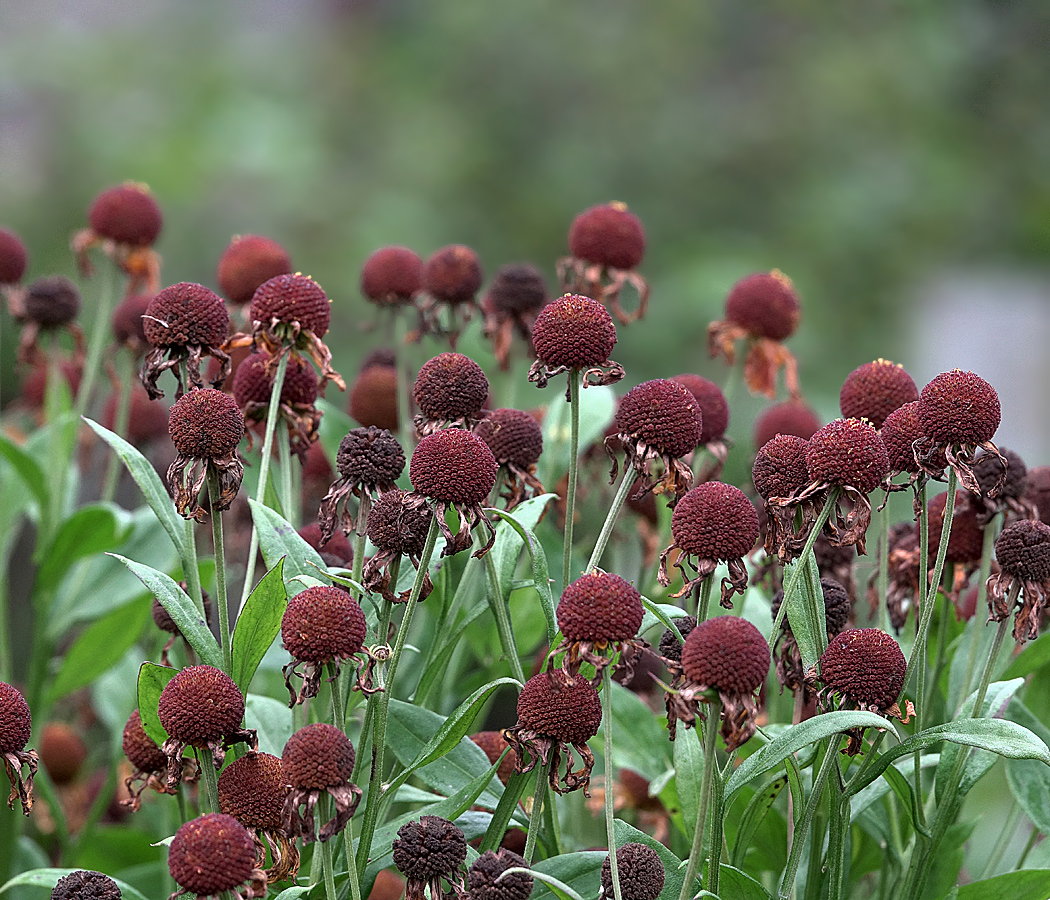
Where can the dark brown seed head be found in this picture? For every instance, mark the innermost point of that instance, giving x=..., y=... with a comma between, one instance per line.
x=641, y=873
x=253, y=789
x=200, y=705
x=453, y=274
x=608, y=235
x=714, y=410
x=966, y=538
x=600, y=606
x=139, y=747
x=337, y=552
x=1023, y=550
x=211, y=854
x=866, y=666
x=184, y=314
x=780, y=467
x=565, y=711
x=513, y=436
x=370, y=456
x=205, y=424
x=395, y=526
x=791, y=417
x=85, y=885
x=574, y=331
x=989, y=472
x=715, y=521
x=765, y=305
x=391, y=276
x=453, y=466
x=13, y=257
x=726, y=653
x=1037, y=490
x=663, y=414
x=836, y=606
x=16, y=724
x=52, y=301
x=899, y=432
x=247, y=262
x=848, y=452
x=430, y=848
x=450, y=386
x=959, y=407
x=251, y=383
x=493, y=743
x=292, y=298
x=373, y=398
x=482, y=875
x=62, y=752
x=126, y=214
x=670, y=647
x=516, y=289
x=321, y=624
x=318, y=756
x=128, y=324
x=876, y=389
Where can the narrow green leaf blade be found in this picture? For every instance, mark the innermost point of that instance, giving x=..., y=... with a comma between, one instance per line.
x=559, y=888
x=581, y=871
x=90, y=530
x=278, y=539
x=688, y=765
x=1028, y=884
x=1029, y=780
x=540, y=572
x=754, y=813
x=29, y=470
x=258, y=624
x=152, y=680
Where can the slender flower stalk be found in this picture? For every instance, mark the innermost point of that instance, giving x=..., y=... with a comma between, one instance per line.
x=339, y=717
x=703, y=598
x=97, y=341
x=991, y=532
x=696, y=852
x=290, y=508
x=214, y=490
x=574, y=462
x=624, y=487
x=503, y=623
x=327, y=864
x=884, y=565
x=125, y=373
x=539, y=798
x=610, y=779
x=210, y=779
x=787, y=886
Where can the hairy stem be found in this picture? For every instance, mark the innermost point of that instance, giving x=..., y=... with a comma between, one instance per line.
x=503, y=623
x=610, y=779
x=339, y=720
x=210, y=778
x=703, y=604
x=622, y=490
x=574, y=462
x=696, y=852
x=290, y=508
x=539, y=796
x=991, y=531
x=221, y=602
x=830, y=757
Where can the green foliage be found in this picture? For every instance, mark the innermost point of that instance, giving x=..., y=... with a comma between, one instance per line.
x=257, y=625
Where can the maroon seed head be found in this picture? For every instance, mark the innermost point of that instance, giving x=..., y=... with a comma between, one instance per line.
x=715, y=521
x=570, y=712
x=184, y=314
x=396, y=527
x=780, y=467
x=899, y=432
x=321, y=624
x=670, y=647
x=85, y=885
x=200, y=705
x=1023, y=550
x=989, y=470
x=253, y=789
x=641, y=872
x=516, y=289
x=453, y=274
x=52, y=301
x=959, y=407
x=318, y=756
x=211, y=854
x=16, y=724
x=430, y=848
x=714, y=411
x=513, y=436
x=205, y=424
x=292, y=298
x=865, y=665
x=966, y=538
x=608, y=235
x=127, y=322
x=493, y=743
x=726, y=653
x=453, y=466
x=251, y=384
x=34, y=388
x=876, y=389
x=391, y=276
x=482, y=875
x=791, y=417
x=848, y=452
x=574, y=331
x=600, y=607
x=663, y=414
x=13, y=257
x=765, y=305
x=373, y=398
x=1038, y=490
x=370, y=456
x=139, y=747
x=62, y=752
x=249, y=261
x=450, y=386
x=381, y=356
x=126, y=214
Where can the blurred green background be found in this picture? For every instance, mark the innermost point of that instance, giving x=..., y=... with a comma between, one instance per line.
x=869, y=151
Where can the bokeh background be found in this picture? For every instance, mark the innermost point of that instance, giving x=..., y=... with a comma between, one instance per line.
x=893, y=159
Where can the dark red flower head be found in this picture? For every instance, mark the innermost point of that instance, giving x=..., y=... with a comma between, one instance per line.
x=715, y=521
x=959, y=407
x=16, y=724
x=513, y=436
x=792, y=417
x=252, y=384
x=200, y=705
x=398, y=527
x=714, y=410
x=139, y=747
x=52, y=301
x=453, y=274
x=836, y=605
x=641, y=873
x=989, y=472
x=726, y=653
x=900, y=431
x=370, y=456
x=568, y=711
x=450, y=386
x=487, y=868
x=126, y=214
x=253, y=790
x=317, y=757
x=876, y=389
x=128, y=325
x=493, y=743
x=575, y=332
x=321, y=624
x=205, y=424
x=373, y=398
x=516, y=289
x=428, y=849
x=453, y=466
x=381, y=356
x=85, y=885
x=186, y=313
x=600, y=607
x=765, y=305
x=670, y=647
x=1023, y=550
x=247, y=262
x=966, y=538
x=848, y=452
x=608, y=235
x=13, y=257
x=211, y=854
x=292, y=298
x=391, y=276
x=337, y=551
x=1038, y=490
x=663, y=414
x=866, y=666
x=780, y=467
x=62, y=752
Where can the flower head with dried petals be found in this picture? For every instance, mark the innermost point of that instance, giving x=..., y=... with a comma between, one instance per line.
x=16, y=727
x=1007, y=471
x=253, y=384
x=1023, y=552
x=1037, y=491
x=391, y=277
x=428, y=852
x=714, y=419
x=516, y=296
x=516, y=441
x=599, y=615
x=319, y=759
x=215, y=854
x=484, y=879
x=449, y=390
x=876, y=389
x=148, y=762
x=452, y=278
x=397, y=526
x=45, y=306
x=574, y=333
x=790, y=417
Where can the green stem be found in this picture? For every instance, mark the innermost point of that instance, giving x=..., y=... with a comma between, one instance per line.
x=1032, y=838
x=191, y=572
x=97, y=341
x=125, y=376
x=221, y=602
x=704, y=600
x=622, y=490
x=814, y=600
x=292, y=511
x=339, y=716
x=1005, y=836
x=264, y=470
x=837, y=832
x=884, y=568
x=830, y=756
x=574, y=461
x=539, y=795
x=210, y=778
x=610, y=779
x=503, y=623
x=926, y=696
x=696, y=852
x=327, y=867
x=375, y=782
x=990, y=532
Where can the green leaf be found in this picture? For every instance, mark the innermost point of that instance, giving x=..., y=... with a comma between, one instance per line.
x=277, y=539
x=688, y=766
x=540, y=572
x=1029, y=884
x=48, y=878
x=1030, y=780
x=181, y=609
x=736, y=885
x=30, y=471
x=90, y=530
x=639, y=738
x=152, y=680
x=294, y=892
x=559, y=888
x=597, y=406
x=99, y=646
x=257, y=625
x=271, y=720
x=146, y=477
x=673, y=872
x=1033, y=657
x=805, y=631
x=753, y=815
x=659, y=614
x=580, y=871
x=798, y=736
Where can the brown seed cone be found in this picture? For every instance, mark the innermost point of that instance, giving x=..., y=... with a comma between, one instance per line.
x=249, y=261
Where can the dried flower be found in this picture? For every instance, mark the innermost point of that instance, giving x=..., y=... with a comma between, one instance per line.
x=212, y=854
x=516, y=296
x=319, y=759
x=125, y=222
x=714, y=418
x=484, y=882
x=574, y=333
x=373, y=398
x=397, y=526
x=450, y=389
x=148, y=761
x=16, y=727
x=129, y=326
x=493, y=743
x=392, y=276
x=46, y=305
x=640, y=870
x=791, y=417
x=599, y=615
x=516, y=441
x=1010, y=474
x=253, y=385
x=1023, y=552
x=876, y=389
x=451, y=280
x=790, y=672
x=249, y=261
x=427, y=852
x=62, y=752
x=85, y=885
